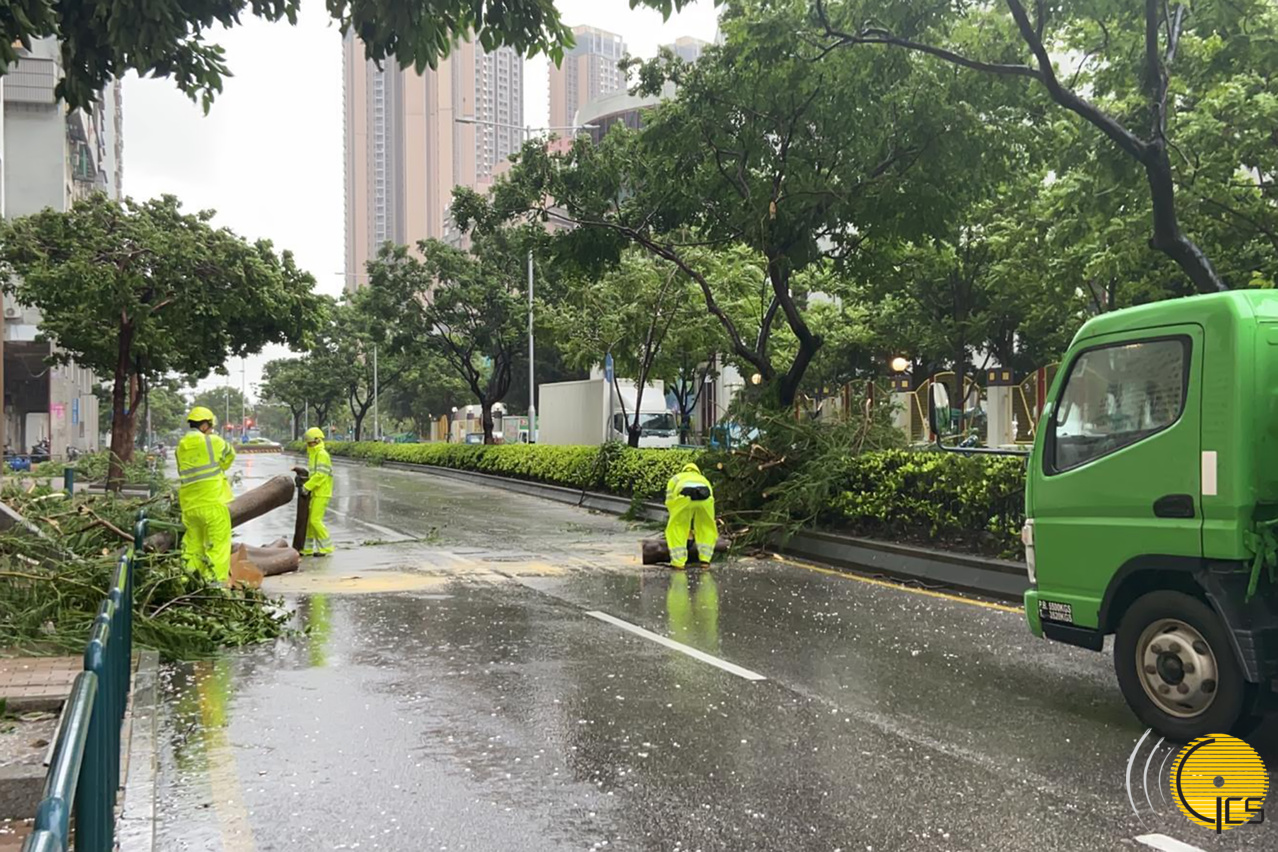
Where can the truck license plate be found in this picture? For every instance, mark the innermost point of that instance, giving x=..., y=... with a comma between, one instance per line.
x=1053, y=611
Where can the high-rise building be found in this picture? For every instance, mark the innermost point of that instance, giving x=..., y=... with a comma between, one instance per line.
x=52, y=157
x=621, y=107
x=411, y=138
x=589, y=71
x=687, y=48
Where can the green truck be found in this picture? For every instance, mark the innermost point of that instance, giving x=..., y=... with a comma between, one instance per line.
x=1152, y=497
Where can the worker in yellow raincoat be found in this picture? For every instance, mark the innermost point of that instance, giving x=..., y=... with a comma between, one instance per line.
x=204, y=492
x=320, y=486
x=690, y=501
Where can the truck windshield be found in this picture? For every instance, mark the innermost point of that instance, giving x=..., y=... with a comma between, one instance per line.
x=657, y=425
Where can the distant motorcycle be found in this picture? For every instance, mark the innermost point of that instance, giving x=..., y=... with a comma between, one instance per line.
x=40, y=453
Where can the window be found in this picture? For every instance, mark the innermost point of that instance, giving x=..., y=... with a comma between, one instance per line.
x=1116, y=396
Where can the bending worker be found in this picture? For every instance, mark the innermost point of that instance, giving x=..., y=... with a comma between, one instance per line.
x=320, y=486
x=690, y=501
x=203, y=491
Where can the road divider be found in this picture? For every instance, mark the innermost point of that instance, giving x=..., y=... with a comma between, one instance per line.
x=730, y=668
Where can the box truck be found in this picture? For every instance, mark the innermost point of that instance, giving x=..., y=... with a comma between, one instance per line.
x=594, y=411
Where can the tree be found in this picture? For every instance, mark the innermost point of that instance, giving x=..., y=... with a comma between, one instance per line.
x=166, y=408
x=796, y=160
x=348, y=364
x=303, y=387
x=428, y=390
x=629, y=313
x=168, y=38
x=141, y=290
x=1122, y=84
x=464, y=306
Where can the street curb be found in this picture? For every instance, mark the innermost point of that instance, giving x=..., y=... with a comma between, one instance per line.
x=20, y=787
x=135, y=825
x=996, y=578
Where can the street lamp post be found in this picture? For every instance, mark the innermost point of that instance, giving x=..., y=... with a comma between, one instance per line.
x=528, y=133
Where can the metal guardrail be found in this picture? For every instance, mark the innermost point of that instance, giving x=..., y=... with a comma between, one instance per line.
x=84, y=774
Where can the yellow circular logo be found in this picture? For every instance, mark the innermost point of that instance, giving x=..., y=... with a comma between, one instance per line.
x=1219, y=782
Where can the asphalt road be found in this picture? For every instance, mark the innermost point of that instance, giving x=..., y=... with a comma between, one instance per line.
x=487, y=671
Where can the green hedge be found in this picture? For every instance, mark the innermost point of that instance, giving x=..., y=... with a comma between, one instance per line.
x=966, y=502
x=958, y=502
x=615, y=469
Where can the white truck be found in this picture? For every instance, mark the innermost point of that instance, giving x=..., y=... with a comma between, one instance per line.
x=590, y=412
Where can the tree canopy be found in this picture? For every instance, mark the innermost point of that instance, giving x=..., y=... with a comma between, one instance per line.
x=171, y=38
x=140, y=290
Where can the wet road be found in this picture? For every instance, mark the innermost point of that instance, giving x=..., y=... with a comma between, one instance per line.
x=485, y=671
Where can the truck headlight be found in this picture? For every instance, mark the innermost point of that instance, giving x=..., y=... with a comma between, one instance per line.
x=1027, y=539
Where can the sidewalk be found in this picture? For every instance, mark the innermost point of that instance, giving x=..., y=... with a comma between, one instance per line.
x=42, y=685
x=37, y=683
x=29, y=685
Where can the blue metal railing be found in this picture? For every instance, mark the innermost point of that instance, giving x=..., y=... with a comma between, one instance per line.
x=84, y=774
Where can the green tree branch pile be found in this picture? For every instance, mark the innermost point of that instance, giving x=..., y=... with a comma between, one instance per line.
x=52, y=585
x=93, y=467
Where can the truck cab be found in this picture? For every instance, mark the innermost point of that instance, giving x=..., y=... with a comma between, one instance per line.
x=1151, y=498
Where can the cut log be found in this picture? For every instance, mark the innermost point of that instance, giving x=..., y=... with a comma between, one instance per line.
x=655, y=551
x=272, y=494
x=303, y=509
x=243, y=571
x=273, y=560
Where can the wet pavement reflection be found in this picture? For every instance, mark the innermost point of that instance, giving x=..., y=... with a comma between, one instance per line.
x=449, y=692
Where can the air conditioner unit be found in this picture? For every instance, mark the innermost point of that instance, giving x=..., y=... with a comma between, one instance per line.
x=12, y=312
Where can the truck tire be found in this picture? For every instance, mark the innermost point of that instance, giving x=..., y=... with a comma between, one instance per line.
x=1177, y=669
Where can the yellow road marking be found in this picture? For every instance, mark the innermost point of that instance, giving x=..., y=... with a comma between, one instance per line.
x=898, y=586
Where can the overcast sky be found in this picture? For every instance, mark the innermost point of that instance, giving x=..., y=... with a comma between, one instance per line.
x=268, y=157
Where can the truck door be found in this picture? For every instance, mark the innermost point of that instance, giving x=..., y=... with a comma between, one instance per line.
x=1119, y=474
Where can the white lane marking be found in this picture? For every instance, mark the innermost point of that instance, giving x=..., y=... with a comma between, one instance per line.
x=393, y=534
x=677, y=646
x=1163, y=843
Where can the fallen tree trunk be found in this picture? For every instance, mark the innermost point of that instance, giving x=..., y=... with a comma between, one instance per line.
x=303, y=509
x=273, y=560
x=272, y=494
x=656, y=552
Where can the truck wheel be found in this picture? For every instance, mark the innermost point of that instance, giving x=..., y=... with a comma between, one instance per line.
x=1177, y=668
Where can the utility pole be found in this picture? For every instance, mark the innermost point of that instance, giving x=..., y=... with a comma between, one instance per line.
x=243, y=402
x=532, y=388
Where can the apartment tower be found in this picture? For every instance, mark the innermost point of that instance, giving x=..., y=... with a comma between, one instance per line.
x=411, y=138
x=589, y=71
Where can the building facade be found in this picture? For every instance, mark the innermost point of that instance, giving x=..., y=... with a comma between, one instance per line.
x=52, y=157
x=411, y=138
x=687, y=48
x=589, y=71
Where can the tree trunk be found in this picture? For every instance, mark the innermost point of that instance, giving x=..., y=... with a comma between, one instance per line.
x=486, y=417
x=123, y=420
x=1168, y=237
x=633, y=429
